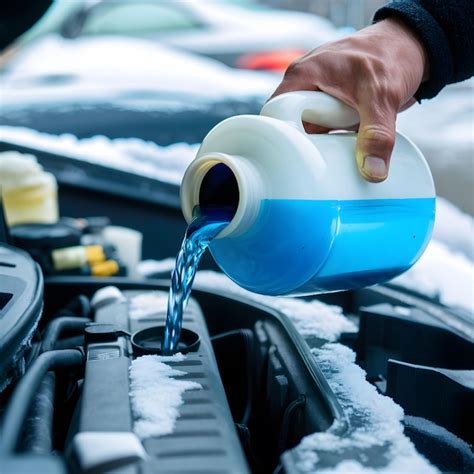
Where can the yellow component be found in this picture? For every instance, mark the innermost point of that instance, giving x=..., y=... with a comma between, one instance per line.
x=29, y=193
x=30, y=205
x=68, y=258
x=95, y=254
x=107, y=268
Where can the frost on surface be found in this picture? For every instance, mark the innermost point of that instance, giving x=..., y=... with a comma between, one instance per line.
x=374, y=421
x=145, y=158
x=156, y=394
x=311, y=318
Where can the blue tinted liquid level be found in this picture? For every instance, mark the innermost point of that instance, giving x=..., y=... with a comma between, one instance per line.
x=300, y=247
x=199, y=234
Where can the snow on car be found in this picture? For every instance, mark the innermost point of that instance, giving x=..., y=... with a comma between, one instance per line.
x=120, y=69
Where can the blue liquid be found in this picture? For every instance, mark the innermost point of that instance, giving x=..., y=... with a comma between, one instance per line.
x=306, y=247
x=300, y=247
x=203, y=228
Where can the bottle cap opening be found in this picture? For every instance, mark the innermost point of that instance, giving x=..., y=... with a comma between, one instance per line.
x=219, y=190
x=226, y=181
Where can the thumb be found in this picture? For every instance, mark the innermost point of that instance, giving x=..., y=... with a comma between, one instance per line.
x=375, y=142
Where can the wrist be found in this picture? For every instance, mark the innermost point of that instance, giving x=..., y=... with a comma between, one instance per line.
x=398, y=29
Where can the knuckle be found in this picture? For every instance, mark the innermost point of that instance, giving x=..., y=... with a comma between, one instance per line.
x=362, y=64
x=378, y=135
x=295, y=68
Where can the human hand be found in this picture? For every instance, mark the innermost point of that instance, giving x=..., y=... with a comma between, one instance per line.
x=377, y=72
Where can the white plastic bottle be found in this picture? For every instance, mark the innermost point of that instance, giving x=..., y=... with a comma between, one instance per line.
x=305, y=221
x=30, y=195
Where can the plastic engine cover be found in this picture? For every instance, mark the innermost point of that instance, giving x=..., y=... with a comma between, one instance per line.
x=204, y=438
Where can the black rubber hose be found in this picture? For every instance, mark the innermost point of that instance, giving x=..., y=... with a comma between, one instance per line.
x=38, y=431
x=58, y=326
x=20, y=401
x=78, y=306
x=69, y=342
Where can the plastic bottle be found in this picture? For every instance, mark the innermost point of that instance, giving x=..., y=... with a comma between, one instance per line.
x=305, y=220
x=30, y=195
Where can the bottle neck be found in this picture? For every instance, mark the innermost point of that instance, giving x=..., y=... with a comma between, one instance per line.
x=222, y=180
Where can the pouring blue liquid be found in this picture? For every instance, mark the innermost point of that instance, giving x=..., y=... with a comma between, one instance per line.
x=200, y=232
x=299, y=246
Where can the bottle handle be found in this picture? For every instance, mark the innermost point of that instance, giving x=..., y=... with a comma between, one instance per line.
x=314, y=107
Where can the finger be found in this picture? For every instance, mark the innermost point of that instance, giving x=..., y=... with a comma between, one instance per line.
x=375, y=141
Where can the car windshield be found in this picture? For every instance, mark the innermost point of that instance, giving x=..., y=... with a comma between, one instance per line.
x=139, y=18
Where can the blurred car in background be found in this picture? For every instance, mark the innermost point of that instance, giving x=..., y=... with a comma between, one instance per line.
x=240, y=34
x=124, y=87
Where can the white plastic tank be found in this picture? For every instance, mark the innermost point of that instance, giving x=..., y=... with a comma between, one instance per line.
x=304, y=220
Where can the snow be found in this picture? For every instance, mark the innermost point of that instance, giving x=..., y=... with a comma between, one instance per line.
x=115, y=69
x=145, y=158
x=156, y=394
x=147, y=304
x=311, y=318
x=454, y=228
x=373, y=421
x=442, y=274
x=106, y=295
x=152, y=267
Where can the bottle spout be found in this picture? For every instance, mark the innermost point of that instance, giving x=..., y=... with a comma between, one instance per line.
x=224, y=186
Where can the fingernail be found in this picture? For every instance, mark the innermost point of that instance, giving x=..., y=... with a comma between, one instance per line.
x=374, y=167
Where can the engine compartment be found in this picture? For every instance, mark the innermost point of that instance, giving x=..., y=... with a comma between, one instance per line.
x=70, y=406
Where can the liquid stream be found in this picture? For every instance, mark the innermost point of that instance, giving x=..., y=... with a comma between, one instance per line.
x=203, y=228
